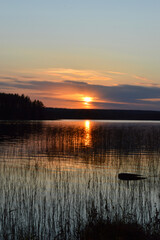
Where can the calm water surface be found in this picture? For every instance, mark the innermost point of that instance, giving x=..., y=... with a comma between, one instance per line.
x=52, y=172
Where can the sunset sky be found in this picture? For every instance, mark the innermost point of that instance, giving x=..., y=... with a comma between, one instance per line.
x=82, y=54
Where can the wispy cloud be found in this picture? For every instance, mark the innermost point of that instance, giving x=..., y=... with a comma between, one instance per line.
x=117, y=73
x=151, y=99
x=57, y=93
x=142, y=78
x=62, y=87
x=75, y=74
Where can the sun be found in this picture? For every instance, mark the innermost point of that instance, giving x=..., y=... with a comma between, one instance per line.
x=87, y=100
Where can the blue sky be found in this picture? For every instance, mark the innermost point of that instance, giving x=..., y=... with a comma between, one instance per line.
x=97, y=38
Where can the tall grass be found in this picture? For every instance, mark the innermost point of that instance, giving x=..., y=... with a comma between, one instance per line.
x=48, y=204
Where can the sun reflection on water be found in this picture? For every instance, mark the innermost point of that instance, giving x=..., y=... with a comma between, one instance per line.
x=87, y=133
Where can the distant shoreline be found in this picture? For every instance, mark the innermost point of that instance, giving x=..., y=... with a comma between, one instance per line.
x=88, y=114
x=99, y=114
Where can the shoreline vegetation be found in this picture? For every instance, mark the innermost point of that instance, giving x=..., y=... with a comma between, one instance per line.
x=125, y=228
x=16, y=107
x=96, y=227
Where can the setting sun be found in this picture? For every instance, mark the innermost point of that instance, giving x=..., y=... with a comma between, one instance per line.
x=87, y=100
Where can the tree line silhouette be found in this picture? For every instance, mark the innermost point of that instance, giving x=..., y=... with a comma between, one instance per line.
x=14, y=107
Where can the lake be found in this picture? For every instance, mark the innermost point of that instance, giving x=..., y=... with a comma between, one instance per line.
x=52, y=172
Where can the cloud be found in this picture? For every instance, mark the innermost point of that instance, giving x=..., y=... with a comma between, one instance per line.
x=117, y=73
x=121, y=95
x=76, y=82
x=151, y=100
x=76, y=74
x=141, y=78
x=8, y=78
x=58, y=93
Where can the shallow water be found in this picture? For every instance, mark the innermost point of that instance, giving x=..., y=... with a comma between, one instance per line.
x=52, y=172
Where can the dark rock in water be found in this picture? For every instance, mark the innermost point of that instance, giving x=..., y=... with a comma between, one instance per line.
x=130, y=176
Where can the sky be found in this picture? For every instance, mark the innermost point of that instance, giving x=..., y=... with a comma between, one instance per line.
x=82, y=54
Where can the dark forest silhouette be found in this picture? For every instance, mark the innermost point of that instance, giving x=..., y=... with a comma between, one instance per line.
x=14, y=107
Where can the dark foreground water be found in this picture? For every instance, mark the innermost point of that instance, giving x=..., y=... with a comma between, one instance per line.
x=52, y=172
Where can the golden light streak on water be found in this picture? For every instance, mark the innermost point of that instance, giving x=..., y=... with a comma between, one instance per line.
x=87, y=133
